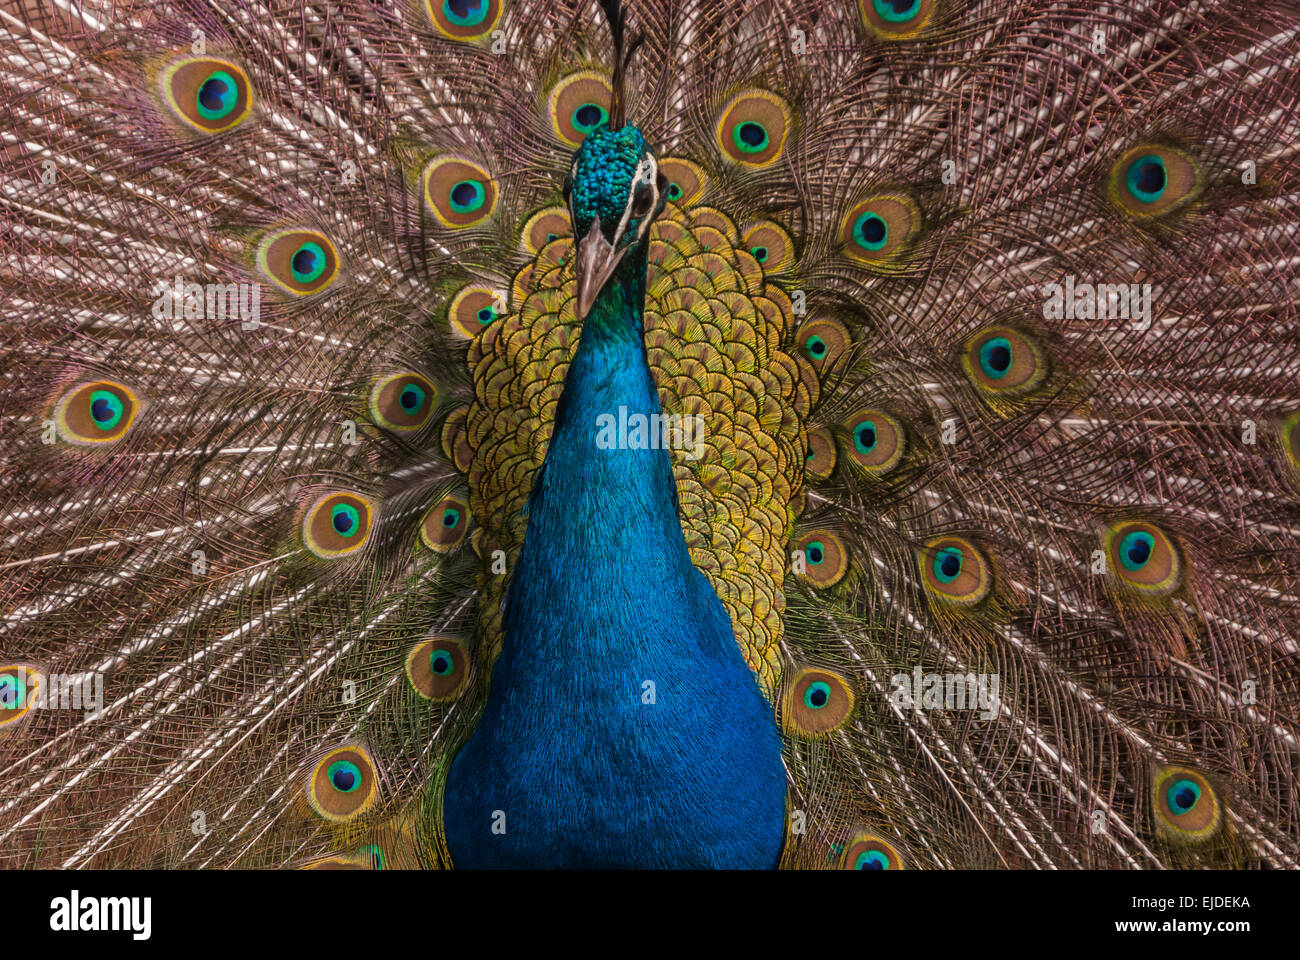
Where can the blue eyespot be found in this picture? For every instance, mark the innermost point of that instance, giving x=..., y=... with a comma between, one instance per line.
x=308, y=262
x=1146, y=178
x=1135, y=549
x=486, y=316
x=864, y=436
x=13, y=692
x=1183, y=796
x=588, y=117
x=465, y=13
x=674, y=192
x=441, y=663
x=450, y=517
x=947, y=564
x=816, y=347
x=896, y=11
x=817, y=695
x=750, y=137
x=345, y=519
x=995, y=357
x=468, y=196
x=217, y=95
x=412, y=397
x=344, y=775
x=437, y=668
x=871, y=231
x=871, y=860
x=105, y=409
x=759, y=254
x=815, y=552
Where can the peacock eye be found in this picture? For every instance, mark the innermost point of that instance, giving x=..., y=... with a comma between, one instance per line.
x=826, y=559
x=458, y=192
x=299, y=262
x=545, y=226
x=18, y=685
x=869, y=851
x=11, y=691
x=474, y=308
x=437, y=668
x=464, y=19
x=578, y=105
x=1003, y=362
x=342, y=786
x=444, y=525
x=337, y=525
x=823, y=340
x=588, y=117
x=1187, y=809
x=344, y=776
x=819, y=461
x=896, y=19
x=1144, y=558
x=753, y=127
x=954, y=571
x=876, y=441
x=817, y=702
x=684, y=181
x=817, y=695
x=770, y=245
x=97, y=412
x=879, y=229
x=1152, y=179
x=207, y=94
x=642, y=201
x=402, y=402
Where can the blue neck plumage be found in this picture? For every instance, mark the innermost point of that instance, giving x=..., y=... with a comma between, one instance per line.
x=622, y=727
x=617, y=507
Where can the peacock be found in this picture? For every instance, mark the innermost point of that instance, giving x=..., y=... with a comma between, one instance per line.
x=860, y=434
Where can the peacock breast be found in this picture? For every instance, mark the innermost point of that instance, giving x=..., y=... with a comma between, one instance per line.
x=656, y=752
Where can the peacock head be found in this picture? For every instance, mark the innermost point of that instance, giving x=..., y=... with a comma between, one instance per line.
x=614, y=191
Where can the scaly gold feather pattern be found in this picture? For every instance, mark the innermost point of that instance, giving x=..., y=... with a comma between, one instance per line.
x=715, y=332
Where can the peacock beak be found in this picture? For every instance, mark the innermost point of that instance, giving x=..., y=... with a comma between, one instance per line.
x=596, y=263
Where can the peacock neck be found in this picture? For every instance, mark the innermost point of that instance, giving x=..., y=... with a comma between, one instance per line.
x=609, y=502
x=622, y=726
x=619, y=309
